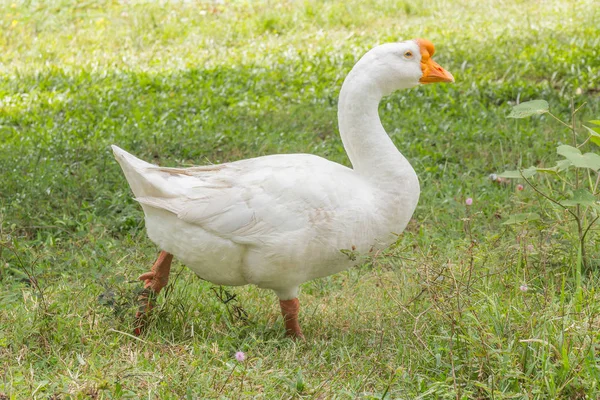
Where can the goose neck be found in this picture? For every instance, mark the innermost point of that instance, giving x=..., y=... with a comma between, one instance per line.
x=371, y=151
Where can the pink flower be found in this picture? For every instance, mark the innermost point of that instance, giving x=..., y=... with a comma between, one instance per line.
x=523, y=288
x=240, y=356
x=469, y=201
x=520, y=187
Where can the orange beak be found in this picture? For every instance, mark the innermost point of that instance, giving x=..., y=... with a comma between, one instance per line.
x=432, y=71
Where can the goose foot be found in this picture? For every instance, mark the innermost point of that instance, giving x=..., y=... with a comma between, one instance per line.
x=154, y=280
x=289, y=310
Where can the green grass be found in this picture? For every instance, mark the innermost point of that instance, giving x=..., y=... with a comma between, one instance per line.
x=440, y=315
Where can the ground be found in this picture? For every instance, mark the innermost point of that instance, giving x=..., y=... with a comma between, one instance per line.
x=462, y=307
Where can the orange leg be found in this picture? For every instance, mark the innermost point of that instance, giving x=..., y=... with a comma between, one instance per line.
x=154, y=280
x=289, y=310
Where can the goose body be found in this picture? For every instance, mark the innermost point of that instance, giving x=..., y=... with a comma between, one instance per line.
x=281, y=220
x=274, y=221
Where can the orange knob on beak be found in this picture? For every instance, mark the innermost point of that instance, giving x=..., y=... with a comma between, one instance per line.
x=432, y=71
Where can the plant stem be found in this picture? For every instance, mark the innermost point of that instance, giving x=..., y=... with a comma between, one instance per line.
x=589, y=226
x=559, y=120
x=577, y=186
x=573, y=132
x=576, y=216
x=548, y=197
x=228, y=377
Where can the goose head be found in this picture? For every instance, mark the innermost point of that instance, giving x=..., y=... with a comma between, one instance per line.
x=402, y=65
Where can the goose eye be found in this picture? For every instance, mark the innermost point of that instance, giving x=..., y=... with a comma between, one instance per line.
x=408, y=54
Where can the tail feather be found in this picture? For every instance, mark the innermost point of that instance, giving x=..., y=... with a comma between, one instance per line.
x=142, y=176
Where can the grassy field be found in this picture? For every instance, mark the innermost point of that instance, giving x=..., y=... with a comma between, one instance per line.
x=462, y=307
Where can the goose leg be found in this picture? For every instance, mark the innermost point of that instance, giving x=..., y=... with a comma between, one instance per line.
x=289, y=310
x=154, y=280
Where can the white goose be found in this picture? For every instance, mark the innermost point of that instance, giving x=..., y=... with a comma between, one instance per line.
x=278, y=221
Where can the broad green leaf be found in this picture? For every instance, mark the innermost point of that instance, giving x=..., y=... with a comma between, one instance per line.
x=587, y=160
x=529, y=172
x=582, y=197
x=595, y=122
x=515, y=174
x=566, y=150
x=521, y=218
x=529, y=108
x=562, y=165
x=548, y=170
x=593, y=131
x=594, y=135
